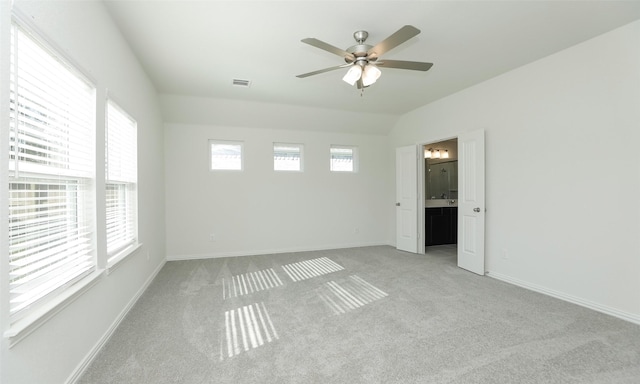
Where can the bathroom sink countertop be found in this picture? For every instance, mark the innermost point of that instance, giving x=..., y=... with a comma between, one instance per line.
x=437, y=203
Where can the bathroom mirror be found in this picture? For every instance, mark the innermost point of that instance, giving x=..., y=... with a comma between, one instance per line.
x=441, y=179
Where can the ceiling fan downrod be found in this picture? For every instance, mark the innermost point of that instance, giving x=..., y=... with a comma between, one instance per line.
x=360, y=50
x=360, y=36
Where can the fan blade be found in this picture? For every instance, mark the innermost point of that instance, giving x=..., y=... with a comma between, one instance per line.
x=349, y=57
x=323, y=70
x=400, y=36
x=401, y=64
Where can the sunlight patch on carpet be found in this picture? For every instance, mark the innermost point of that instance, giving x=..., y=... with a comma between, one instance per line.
x=248, y=283
x=349, y=295
x=311, y=268
x=246, y=328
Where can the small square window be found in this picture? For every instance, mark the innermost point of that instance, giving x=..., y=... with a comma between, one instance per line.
x=343, y=158
x=226, y=155
x=287, y=157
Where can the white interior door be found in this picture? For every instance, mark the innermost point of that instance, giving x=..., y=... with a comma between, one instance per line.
x=471, y=209
x=407, y=199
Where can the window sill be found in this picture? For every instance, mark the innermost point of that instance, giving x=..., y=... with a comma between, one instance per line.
x=121, y=256
x=23, y=327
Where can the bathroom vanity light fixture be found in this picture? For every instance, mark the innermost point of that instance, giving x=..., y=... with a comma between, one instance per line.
x=436, y=153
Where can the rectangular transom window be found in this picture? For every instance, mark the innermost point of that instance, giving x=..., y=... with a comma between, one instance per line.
x=287, y=157
x=226, y=155
x=343, y=158
x=121, y=180
x=51, y=174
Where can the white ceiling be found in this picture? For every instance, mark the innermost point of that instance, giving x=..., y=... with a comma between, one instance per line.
x=196, y=48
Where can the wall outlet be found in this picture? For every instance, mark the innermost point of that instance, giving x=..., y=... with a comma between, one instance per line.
x=356, y=230
x=212, y=237
x=505, y=255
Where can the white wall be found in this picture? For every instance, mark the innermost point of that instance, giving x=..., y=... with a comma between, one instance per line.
x=562, y=169
x=57, y=350
x=262, y=211
x=237, y=113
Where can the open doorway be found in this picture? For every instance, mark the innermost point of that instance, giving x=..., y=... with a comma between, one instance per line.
x=470, y=201
x=438, y=216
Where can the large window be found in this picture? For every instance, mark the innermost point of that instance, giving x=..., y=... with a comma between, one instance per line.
x=121, y=181
x=343, y=158
x=51, y=174
x=288, y=157
x=226, y=155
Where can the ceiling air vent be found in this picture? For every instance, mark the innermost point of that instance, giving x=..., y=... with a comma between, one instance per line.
x=241, y=83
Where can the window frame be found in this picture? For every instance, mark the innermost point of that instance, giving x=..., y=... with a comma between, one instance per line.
x=354, y=158
x=300, y=148
x=126, y=189
x=213, y=142
x=39, y=310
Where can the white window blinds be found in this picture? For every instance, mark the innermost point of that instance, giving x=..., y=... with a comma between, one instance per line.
x=287, y=157
x=343, y=159
x=121, y=180
x=226, y=155
x=51, y=166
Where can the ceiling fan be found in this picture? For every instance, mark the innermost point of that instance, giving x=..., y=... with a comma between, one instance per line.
x=363, y=58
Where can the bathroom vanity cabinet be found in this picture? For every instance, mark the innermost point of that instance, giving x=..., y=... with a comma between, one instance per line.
x=441, y=225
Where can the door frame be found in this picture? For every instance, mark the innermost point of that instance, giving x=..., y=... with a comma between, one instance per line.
x=422, y=249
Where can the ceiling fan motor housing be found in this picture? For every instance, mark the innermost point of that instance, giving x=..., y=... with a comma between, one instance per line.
x=359, y=51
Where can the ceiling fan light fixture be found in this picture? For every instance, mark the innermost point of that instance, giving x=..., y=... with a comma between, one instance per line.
x=370, y=75
x=353, y=74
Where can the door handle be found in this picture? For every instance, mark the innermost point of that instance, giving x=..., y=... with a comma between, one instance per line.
x=397, y=204
x=477, y=209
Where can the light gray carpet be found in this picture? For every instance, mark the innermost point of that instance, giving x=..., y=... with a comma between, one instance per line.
x=362, y=315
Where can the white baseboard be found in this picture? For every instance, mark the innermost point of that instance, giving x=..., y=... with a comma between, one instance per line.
x=88, y=359
x=633, y=318
x=216, y=255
